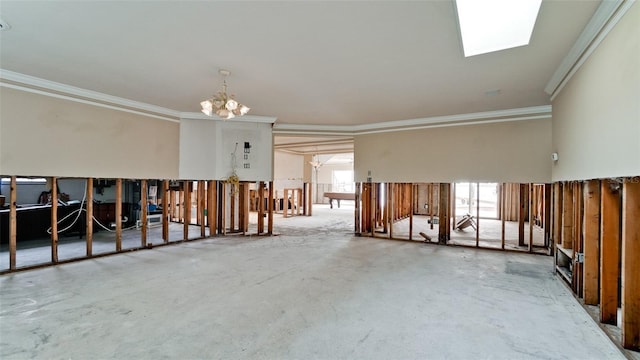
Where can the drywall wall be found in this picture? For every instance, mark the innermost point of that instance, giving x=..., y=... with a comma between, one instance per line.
x=244, y=147
x=214, y=149
x=517, y=151
x=197, y=149
x=596, y=116
x=288, y=171
x=47, y=136
x=325, y=172
x=288, y=166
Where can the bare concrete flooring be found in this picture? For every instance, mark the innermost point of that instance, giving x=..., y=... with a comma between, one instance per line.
x=313, y=292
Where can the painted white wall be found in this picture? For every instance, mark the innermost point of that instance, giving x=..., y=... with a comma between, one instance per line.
x=517, y=151
x=197, y=149
x=288, y=166
x=325, y=173
x=596, y=116
x=259, y=157
x=46, y=136
x=288, y=171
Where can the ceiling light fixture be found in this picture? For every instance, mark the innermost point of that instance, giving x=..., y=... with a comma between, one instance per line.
x=315, y=162
x=223, y=105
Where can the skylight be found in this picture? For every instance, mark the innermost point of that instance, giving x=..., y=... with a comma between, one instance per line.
x=491, y=25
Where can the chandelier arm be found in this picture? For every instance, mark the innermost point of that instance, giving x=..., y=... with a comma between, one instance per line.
x=225, y=105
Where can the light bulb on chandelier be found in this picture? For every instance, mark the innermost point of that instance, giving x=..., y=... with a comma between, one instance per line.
x=223, y=105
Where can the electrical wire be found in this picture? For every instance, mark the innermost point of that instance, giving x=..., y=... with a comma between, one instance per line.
x=79, y=211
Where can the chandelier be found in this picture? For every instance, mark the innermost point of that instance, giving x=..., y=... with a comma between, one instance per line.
x=315, y=162
x=223, y=105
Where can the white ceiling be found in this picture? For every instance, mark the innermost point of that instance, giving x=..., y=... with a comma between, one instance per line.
x=304, y=62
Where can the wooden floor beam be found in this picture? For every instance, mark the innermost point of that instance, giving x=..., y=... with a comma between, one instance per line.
x=430, y=204
x=212, y=206
x=310, y=199
x=118, y=212
x=261, y=209
x=270, y=209
x=244, y=205
x=412, y=195
x=477, y=214
x=547, y=215
x=202, y=205
x=182, y=203
x=609, y=252
x=391, y=198
x=557, y=213
x=373, y=208
x=54, y=220
x=356, y=211
x=144, y=207
x=503, y=194
x=521, y=213
x=631, y=264
x=305, y=200
x=531, y=220
x=577, y=244
x=89, y=217
x=13, y=223
x=166, y=202
x=233, y=191
x=175, y=206
x=186, y=209
x=591, y=290
x=452, y=210
x=222, y=204
x=444, y=234
x=567, y=216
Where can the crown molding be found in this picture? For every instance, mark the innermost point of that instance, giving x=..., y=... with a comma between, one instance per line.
x=306, y=129
x=340, y=141
x=32, y=84
x=244, y=118
x=487, y=117
x=51, y=88
x=14, y=80
x=83, y=101
x=603, y=20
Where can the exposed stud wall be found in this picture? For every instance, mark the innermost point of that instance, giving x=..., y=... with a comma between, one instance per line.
x=631, y=265
x=609, y=252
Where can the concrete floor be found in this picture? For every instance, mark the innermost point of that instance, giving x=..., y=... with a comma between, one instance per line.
x=490, y=234
x=315, y=292
x=36, y=252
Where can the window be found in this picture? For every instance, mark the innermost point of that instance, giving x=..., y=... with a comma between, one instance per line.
x=343, y=181
x=21, y=180
x=467, y=196
x=492, y=25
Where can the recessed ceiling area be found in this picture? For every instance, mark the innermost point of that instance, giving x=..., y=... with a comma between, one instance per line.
x=327, y=63
x=307, y=145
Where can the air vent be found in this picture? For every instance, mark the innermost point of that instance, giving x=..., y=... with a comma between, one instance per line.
x=4, y=25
